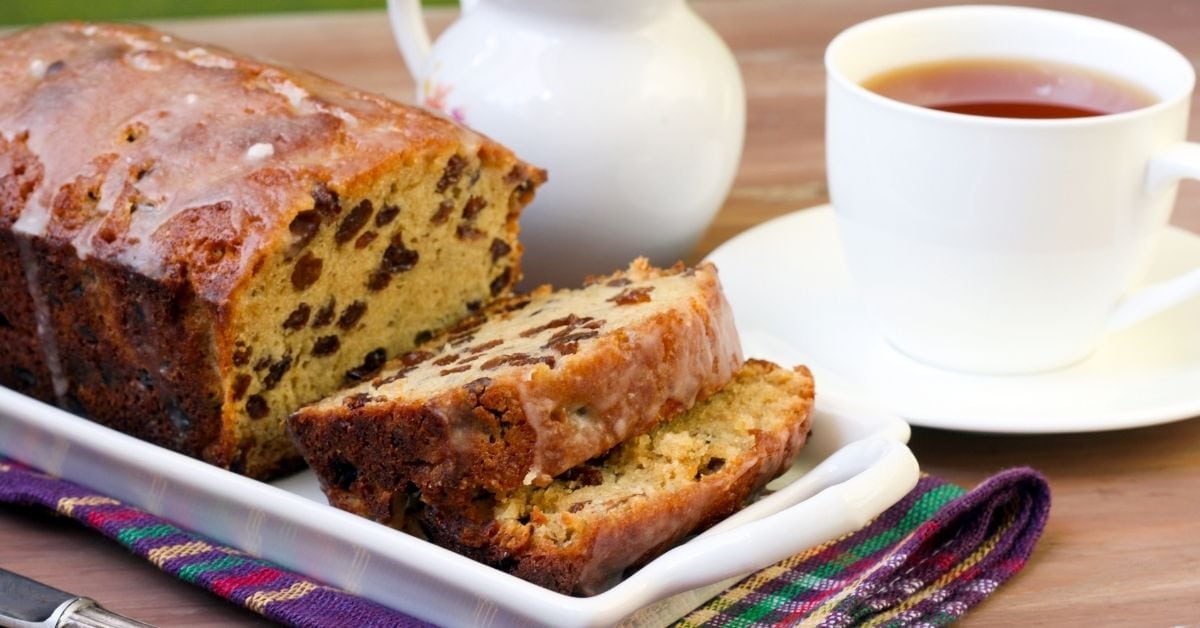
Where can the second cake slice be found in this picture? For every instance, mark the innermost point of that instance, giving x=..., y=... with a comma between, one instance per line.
x=528, y=388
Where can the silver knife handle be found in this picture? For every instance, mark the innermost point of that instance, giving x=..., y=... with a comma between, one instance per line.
x=26, y=603
x=92, y=615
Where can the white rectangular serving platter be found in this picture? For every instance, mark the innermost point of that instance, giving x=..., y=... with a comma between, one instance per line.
x=855, y=465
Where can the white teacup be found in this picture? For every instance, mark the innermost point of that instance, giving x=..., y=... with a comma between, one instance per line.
x=1004, y=245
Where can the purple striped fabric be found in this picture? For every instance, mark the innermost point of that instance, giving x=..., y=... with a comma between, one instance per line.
x=925, y=561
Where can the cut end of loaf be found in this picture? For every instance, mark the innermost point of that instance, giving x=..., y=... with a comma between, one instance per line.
x=364, y=275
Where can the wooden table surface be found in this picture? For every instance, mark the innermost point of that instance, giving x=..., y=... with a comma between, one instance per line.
x=1123, y=543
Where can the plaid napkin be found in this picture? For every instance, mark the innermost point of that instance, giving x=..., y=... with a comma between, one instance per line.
x=924, y=562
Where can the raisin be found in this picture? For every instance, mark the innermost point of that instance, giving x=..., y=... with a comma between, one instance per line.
x=263, y=363
x=325, y=200
x=398, y=258
x=423, y=337
x=304, y=228
x=467, y=325
x=452, y=173
x=343, y=473
x=584, y=475
x=517, y=359
x=468, y=358
x=499, y=249
x=517, y=304
x=357, y=400
x=570, y=321
x=354, y=222
x=326, y=345
x=632, y=296
x=325, y=314
x=351, y=315
x=386, y=215
x=460, y=339
x=241, y=353
x=446, y=359
x=365, y=239
x=474, y=205
x=457, y=369
x=413, y=358
x=241, y=384
x=256, y=407
x=480, y=348
x=518, y=173
x=713, y=465
x=371, y=364
x=383, y=381
x=577, y=506
x=306, y=272
x=443, y=212
x=477, y=386
x=276, y=372
x=501, y=281
x=473, y=306
x=567, y=344
x=298, y=318
x=378, y=281
x=467, y=233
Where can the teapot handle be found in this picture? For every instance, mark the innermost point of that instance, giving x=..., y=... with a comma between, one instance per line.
x=412, y=37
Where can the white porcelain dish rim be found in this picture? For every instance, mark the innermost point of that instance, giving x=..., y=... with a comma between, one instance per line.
x=855, y=466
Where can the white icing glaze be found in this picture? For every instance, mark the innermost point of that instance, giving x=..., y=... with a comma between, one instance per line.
x=37, y=68
x=280, y=84
x=206, y=59
x=143, y=60
x=259, y=151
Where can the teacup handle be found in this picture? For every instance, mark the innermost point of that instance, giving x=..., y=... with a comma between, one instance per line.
x=1180, y=161
x=412, y=36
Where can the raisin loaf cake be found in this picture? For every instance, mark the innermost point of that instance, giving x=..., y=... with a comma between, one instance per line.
x=592, y=522
x=193, y=244
x=532, y=386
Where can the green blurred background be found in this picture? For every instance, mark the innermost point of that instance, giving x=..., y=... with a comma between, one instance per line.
x=34, y=11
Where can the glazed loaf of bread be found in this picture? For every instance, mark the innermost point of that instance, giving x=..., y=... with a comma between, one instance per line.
x=531, y=387
x=580, y=533
x=194, y=244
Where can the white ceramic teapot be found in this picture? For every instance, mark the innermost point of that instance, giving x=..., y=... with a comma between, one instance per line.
x=635, y=107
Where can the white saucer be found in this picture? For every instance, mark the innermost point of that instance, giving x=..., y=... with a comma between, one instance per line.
x=794, y=303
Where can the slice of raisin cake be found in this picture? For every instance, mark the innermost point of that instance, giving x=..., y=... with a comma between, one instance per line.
x=591, y=523
x=530, y=387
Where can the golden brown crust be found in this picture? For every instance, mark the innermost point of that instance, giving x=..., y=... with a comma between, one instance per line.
x=185, y=127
